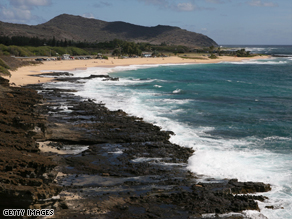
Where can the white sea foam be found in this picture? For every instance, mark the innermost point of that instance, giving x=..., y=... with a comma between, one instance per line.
x=63, y=85
x=259, y=49
x=257, y=62
x=244, y=82
x=177, y=91
x=117, y=152
x=136, y=67
x=277, y=138
x=254, y=49
x=221, y=158
x=146, y=159
x=176, y=101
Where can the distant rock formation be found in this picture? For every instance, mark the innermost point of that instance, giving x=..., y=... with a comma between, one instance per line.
x=78, y=28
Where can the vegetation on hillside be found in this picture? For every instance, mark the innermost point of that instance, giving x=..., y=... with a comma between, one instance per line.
x=26, y=51
x=4, y=67
x=34, y=46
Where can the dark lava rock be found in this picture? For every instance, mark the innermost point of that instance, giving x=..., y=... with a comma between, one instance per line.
x=21, y=165
x=130, y=169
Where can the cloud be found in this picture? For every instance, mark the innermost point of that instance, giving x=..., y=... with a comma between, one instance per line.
x=160, y=3
x=156, y=2
x=29, y=4
x=165, y=4
x=180, y=5
x=102, y=4
x=15, y=14
x=88, y=15
x=20, y=11
x=215, y=1
x=259, y=3
x=185, y=7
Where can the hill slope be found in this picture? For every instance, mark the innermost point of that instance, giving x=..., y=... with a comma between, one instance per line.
x=78, y=28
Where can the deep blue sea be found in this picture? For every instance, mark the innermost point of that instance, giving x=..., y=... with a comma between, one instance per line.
x=237, y=116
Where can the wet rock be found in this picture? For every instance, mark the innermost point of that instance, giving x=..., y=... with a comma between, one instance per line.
x=248, y=187
x=58, y=74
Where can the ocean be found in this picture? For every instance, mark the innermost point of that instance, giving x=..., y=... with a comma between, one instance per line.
x=237, y=116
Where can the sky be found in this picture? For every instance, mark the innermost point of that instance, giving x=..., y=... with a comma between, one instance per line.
x=228, y=22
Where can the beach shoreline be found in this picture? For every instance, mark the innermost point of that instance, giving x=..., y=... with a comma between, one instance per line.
x=124, y=166
x=29, y=74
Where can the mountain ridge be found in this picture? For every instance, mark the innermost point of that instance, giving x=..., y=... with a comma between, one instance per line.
x=77, y=28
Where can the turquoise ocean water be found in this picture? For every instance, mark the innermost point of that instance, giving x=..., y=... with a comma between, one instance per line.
x=237, y=116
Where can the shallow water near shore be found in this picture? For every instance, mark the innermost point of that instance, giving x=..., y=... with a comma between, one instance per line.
x=237, y=116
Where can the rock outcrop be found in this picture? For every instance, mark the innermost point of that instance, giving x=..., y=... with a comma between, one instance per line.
x=25, y=174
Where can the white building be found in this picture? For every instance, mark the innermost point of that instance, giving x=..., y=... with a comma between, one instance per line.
x=66, y=56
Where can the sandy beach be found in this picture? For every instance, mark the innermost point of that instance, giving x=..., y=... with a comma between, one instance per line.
x=27, y=74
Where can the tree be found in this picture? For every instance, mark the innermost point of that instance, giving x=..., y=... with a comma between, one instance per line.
x=212, y=56
x=54, y=41
x=65, y=43
x=155, y=53
x=219, y=51
x=242, y=53
x=211, y=49
x=116, y=52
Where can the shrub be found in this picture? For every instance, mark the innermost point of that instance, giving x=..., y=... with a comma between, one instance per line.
x=3, y=64
x=4, y=70
x=243, y=53
x=212, y=56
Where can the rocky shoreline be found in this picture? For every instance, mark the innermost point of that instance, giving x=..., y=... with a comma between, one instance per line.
x=97, y=163
x=26, y=174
